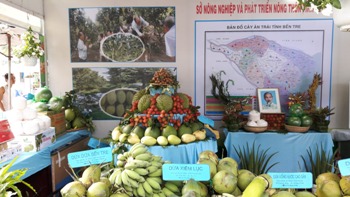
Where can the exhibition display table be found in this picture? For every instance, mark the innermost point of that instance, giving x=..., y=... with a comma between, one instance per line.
x=36, y=161
x=184, y=153
x=289, y=147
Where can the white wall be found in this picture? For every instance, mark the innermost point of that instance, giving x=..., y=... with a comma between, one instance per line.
x=59, y=66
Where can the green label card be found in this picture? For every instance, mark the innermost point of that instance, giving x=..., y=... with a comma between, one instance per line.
x=89, y=157
x=184, y=172
x=344, y=167
x=291, y=180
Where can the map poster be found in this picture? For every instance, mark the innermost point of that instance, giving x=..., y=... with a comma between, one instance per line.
x=251, y=54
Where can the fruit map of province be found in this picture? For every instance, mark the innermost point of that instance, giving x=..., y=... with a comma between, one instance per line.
x=266, y=64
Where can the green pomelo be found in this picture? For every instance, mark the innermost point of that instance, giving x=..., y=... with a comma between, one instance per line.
x=283, y=194
x=184, y=98
x=164, y=102
x=111, y=98
x=144, y=102
x=304, y=194
x=69, y=114
x=78, y=122
x=121, y=96
x=120, y=110
x=129, y=97
x=228, y=164
x=168, y=130
x=184, y=130
x=43, y=95
x=73, y=189
x=139, y=131
x=153, y=131
x=245, y=177
x=195, y=126
x=103, y=101
x=41, y=106
x=212, y=166
x=110, y=109
x=224, y=182
x=98, y=189
x=345, y=184
x=127, y=129
x=55, y=103
x=137, y=96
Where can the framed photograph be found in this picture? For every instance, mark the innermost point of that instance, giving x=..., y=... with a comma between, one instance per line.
x=269, y=100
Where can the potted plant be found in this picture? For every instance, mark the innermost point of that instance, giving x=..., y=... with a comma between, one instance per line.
x=323, y=6
x=30, y=49
x=9, y=180
x=320, y=117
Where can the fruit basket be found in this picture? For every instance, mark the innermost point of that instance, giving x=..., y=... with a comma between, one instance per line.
x=255, y=129
x=298, y=129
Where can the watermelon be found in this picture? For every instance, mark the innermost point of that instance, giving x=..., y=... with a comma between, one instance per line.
x=55, y=103
x=43, y=95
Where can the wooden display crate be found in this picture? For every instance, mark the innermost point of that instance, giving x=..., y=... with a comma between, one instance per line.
x=57, y=120
x=275, y=121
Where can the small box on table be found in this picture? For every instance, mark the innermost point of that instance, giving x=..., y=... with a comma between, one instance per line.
x=275, y=121
x=38, y=141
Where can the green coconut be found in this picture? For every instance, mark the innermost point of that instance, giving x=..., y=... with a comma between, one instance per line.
x=91, y=175
x=98, y=189
x=283, y=194
x=345, y=184
x=329, y=188
x=224, y=182
x=244, y=178
x=228, y=164
x=73, y=189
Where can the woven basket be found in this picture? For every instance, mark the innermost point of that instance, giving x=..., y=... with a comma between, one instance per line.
x=255, y=129
x=296, y=128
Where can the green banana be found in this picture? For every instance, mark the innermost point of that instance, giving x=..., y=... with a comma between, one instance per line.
x=121, y=157
x=147, y=187
x=156, y=163
x=154, y=184
x=141, y=171
x=132, y=174
x=138, y=163
x=139, y=151
x=125, y=179
x=134, y=191
x=120, y=163
x=144, y=156
x=156, y=173
x=161, y=194
x=118, y=180
x=128, y=188
x=152, y=169
x=156, y=158
x=172, y=187
x=133, y=183
x=141, y=191
x=114, y=174
x=167, y=192
x=136, y=146
x=157, y=179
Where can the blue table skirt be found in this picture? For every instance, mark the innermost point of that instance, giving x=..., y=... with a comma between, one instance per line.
x=36, y=161
x=184, y=153
x=289, y=147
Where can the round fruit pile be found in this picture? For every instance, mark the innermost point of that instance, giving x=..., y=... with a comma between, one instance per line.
x=298, y=117
x=160, y=117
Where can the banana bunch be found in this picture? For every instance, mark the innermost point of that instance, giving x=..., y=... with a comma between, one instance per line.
x=139, y=173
